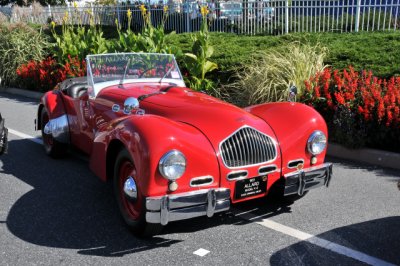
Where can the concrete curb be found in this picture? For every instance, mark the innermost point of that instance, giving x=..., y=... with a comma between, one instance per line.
x=370, y=156
x=30, y=94
x=365, y=155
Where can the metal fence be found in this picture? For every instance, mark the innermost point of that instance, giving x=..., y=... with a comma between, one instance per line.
x=249, y=17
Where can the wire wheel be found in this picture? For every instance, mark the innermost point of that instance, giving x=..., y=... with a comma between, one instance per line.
x=132, y=209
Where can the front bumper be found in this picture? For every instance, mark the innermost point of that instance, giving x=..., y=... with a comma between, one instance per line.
x=164, y=209
x=300, y=181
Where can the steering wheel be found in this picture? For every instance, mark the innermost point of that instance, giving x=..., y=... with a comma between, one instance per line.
x=144, y=72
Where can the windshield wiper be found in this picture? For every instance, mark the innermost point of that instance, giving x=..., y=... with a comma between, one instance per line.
x=122, y=79
x=166, y=74
x=141, y=98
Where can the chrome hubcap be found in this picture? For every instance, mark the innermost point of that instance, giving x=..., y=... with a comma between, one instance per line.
x=130, y=188
x=47, y=128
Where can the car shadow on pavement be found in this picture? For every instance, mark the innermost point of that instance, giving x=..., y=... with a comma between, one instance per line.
x=69, y=207
x=378, y=238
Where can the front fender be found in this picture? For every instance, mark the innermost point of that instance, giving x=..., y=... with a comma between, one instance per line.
x=292, y=123
x=54, y=104
x=148, y=138
x=58, y=125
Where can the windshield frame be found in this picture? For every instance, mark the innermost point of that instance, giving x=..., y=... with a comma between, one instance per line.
x=158, y=64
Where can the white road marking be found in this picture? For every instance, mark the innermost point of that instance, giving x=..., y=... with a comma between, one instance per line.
x=348, y=252
x=25, y=136
x=201, y=252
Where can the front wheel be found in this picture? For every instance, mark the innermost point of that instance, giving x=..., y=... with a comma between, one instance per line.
x=130, y=198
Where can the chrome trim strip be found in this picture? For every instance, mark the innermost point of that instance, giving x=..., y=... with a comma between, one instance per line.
x=245, y=172
x=58, y=128
x=202, y=178
x=261, y=152
x=296, y=160
x=268, y=172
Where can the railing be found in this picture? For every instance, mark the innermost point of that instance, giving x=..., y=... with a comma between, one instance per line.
x=247, y=17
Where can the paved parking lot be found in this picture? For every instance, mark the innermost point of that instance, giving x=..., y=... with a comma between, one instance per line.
x=57, y=212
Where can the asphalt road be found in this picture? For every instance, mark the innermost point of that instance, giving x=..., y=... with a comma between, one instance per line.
x=56, y=212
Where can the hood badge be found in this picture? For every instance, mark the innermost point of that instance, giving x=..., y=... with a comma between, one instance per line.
x=116, y=108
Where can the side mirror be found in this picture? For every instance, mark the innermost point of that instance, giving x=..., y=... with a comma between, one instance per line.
x=292, y=93
x=130, y=104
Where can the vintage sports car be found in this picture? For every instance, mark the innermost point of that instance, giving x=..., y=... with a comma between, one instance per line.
x=3, y=136
x=174, y=153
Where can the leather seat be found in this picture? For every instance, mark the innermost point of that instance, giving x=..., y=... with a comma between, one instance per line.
x=77, y=90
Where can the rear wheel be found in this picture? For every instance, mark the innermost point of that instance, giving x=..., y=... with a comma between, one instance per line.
x=130, y=198
x=52, y=147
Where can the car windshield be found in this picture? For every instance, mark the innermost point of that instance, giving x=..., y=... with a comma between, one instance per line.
x=106, y=70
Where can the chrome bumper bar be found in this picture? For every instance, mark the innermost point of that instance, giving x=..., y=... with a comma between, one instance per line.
x=306, y=179
x=168, y=208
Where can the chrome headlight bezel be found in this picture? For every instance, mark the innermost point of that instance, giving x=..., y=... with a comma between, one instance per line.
x=165, y=161
x=316, y=143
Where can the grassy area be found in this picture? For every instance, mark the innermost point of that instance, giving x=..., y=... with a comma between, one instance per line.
x=376, y=51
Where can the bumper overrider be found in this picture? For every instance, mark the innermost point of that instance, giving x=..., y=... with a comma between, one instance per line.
x=303, y=180
x=164, y=209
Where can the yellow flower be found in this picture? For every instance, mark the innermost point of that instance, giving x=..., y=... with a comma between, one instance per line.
x=204, y=11
x=75, y=4
x=143, y=9
x=129, y=13
x=53, y=24
x=89, y=12
x=165, y=9
x=65, y=18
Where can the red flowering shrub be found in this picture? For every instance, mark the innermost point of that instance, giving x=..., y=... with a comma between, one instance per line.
x=45, y=75
x=360, y=109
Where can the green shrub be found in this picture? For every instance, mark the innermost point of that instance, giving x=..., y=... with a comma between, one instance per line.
x=376, y=51
x=19, y=44
x=269, y=75
x=197, y=62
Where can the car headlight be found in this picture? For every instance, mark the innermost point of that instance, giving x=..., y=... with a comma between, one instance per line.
x=316, y=142
x=172, y=165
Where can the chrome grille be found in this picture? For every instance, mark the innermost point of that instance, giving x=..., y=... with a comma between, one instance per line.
x=247, y=146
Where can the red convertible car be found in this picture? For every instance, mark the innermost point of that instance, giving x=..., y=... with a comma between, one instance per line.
x=174, y=153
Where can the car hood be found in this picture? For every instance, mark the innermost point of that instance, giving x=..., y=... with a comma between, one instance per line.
x=216, y=119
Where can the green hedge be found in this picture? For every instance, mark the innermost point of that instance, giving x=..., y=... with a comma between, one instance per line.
x=376, y=51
